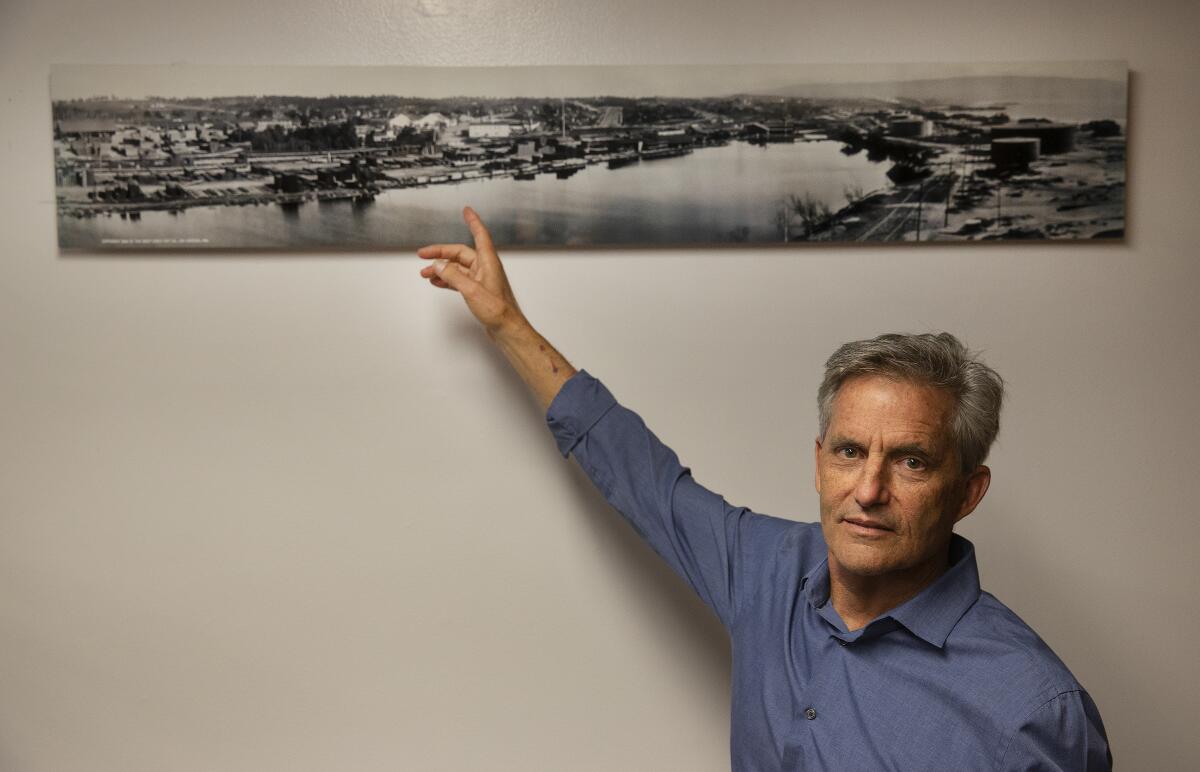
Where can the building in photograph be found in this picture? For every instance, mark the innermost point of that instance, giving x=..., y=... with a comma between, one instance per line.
x=1055, y=137
x=771, y=131
x=497, y=129
x=909, y=127
x=1015, y=152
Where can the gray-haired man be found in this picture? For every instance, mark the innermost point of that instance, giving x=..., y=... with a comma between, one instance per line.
x=861, y=642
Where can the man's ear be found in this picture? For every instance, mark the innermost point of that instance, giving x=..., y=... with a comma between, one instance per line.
x=817, y=465
x=974, y=488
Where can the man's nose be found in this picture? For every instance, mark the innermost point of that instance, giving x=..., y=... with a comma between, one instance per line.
x=872, y=487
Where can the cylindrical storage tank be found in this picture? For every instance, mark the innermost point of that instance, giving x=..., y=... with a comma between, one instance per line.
x=1012, y=152
x=908, y=127
x=1055, y=137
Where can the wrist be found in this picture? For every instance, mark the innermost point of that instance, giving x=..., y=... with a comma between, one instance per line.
x=511, y=326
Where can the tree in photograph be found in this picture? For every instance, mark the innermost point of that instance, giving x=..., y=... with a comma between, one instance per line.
x=854, y=194
x=813, y=213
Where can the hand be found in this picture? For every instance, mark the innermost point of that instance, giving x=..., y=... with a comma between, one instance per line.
x=476, y=274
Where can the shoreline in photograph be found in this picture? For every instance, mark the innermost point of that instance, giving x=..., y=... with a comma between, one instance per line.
x=1077, y=196
x=634, y=203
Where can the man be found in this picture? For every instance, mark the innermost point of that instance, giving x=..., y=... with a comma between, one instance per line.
x=862, y=642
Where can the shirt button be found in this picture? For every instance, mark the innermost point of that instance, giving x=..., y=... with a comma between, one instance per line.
x=810, y=714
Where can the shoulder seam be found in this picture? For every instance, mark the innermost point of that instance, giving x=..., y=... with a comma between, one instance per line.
x=1013, y=734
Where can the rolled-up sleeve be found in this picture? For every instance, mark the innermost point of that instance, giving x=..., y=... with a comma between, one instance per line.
x=692, y=528
x=1065, y=733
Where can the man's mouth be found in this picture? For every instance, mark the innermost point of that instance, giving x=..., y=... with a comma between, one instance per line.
x=865, y=525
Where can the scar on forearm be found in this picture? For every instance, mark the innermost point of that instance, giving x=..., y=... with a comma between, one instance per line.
x=553, y=367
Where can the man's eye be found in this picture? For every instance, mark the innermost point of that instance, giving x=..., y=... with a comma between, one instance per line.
x=848, y=452
x=914, y=464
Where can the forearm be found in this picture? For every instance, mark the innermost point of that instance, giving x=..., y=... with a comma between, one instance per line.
x=543, y=369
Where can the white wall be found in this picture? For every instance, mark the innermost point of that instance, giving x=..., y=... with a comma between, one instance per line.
x=275, y=512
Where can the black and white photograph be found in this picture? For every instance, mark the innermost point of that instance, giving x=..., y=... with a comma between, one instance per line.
x=293, y=158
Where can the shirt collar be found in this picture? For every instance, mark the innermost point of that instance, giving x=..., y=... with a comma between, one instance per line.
x=932, y=614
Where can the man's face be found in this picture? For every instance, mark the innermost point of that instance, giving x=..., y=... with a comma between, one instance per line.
x=890, y=479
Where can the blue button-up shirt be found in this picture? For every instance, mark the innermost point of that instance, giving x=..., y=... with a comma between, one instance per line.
x=949, y=680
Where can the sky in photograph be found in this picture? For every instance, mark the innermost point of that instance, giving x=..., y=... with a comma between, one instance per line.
x=140, y=81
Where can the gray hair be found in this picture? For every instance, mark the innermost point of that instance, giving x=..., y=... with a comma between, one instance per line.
x=941, y=361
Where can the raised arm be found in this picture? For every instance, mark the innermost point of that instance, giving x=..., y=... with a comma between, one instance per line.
x=479, y=277
x=695, y=530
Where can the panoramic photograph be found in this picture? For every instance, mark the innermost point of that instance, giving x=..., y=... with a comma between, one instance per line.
x=293, y=158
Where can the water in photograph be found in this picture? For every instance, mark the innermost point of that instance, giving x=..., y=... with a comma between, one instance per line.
x=713, y=195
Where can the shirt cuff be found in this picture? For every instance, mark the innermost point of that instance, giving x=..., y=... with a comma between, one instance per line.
x=579, y=404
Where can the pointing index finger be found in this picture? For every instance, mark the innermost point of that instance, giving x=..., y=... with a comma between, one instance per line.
x=483, y=239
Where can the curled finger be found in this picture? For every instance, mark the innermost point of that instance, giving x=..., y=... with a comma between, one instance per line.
x=459, y=253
